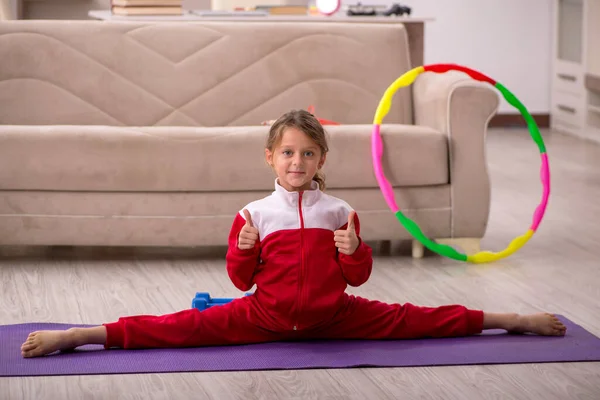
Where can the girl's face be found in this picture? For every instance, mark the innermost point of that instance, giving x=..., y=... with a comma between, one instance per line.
x=295, y=159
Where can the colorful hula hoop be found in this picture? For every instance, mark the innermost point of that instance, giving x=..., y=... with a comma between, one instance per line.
x=377, y=152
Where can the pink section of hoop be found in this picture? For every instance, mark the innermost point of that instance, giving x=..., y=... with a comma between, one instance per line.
x=386, y=188
x=545, y=178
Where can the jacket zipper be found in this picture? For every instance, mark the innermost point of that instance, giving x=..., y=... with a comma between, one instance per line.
x=302, y=261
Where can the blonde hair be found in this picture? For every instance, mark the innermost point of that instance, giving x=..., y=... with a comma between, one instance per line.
x=307, y=123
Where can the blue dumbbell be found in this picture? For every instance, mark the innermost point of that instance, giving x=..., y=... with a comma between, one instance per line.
x=202, y=301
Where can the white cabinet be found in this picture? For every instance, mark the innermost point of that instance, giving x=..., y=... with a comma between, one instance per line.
x=570, y=34
x=575, y=107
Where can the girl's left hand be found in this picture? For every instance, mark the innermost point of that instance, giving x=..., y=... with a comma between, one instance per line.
x=346, y=240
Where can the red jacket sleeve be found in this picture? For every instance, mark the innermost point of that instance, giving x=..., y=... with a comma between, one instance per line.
x=357, y=267
x=241, y=264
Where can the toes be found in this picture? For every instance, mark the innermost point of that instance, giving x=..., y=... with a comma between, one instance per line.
x=27, y=354
x=28, y=346
x=560, y=330
x=35, y=352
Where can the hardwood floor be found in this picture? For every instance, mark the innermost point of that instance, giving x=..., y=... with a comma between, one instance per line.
x=557, y=271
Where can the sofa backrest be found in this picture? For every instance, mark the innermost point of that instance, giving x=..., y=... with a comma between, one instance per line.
x=197, y=73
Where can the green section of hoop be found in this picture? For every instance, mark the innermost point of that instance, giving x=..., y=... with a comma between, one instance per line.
x=533, y=128
x=442, y=249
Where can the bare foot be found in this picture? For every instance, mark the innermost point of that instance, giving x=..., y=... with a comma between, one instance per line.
x=542, y=324
x=45, y=342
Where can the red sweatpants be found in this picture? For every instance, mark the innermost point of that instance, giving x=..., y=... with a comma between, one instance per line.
x=235, y=323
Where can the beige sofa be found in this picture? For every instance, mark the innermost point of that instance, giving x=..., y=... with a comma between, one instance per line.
x=148, y=134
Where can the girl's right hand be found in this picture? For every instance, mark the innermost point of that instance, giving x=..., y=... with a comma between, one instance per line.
x=248, y=235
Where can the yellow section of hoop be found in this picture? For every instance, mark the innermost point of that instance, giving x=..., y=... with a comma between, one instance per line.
x=488, y=256
x=386, y=101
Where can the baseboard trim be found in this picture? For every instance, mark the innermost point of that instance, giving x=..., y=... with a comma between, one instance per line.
x=511, y=120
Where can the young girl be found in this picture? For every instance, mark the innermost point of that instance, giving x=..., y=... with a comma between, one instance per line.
x=301, y=248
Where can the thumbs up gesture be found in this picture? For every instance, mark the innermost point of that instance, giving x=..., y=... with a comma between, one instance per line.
x=346, y=240
x=248, y=235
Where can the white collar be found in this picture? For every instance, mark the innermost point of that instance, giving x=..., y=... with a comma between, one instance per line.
x=309, y=197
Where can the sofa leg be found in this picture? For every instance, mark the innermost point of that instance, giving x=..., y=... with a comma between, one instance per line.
x=417, y=249
x=385, y=247
x=468, y=245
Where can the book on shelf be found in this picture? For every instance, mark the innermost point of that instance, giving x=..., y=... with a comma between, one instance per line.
x=146, y=3
x=147, y=10
x=146, y=7
x=283, y=9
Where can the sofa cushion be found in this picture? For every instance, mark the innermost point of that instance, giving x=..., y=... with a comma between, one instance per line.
x=143, y=73
x=189, y=219
x=100, y=158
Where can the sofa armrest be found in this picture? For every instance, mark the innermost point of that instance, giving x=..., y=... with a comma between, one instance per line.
x=461, y=107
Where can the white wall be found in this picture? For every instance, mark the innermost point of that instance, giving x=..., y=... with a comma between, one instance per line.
x=476, y=34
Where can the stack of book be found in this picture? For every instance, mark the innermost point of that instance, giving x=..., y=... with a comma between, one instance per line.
x=287, y=9
x=146, y=7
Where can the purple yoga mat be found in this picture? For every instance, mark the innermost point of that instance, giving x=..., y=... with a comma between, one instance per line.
x=492, y=347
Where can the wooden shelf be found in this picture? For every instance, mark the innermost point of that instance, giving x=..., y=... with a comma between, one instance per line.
x=592, y=82
x=594, y=109
x=593, y=122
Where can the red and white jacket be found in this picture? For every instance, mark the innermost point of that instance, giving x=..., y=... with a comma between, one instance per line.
x=300, y=276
